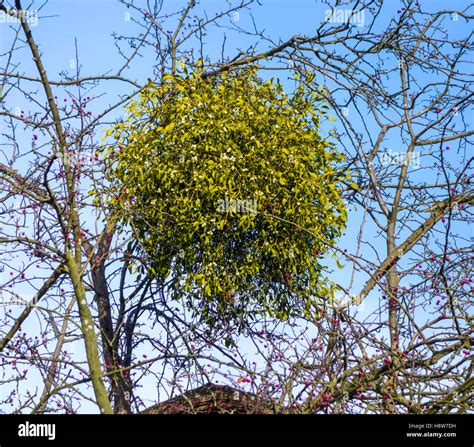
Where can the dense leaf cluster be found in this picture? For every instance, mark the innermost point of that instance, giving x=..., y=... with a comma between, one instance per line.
x=230, y=191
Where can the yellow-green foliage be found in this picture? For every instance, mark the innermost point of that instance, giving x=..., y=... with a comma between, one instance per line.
x=223, y=181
